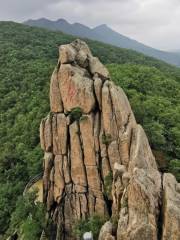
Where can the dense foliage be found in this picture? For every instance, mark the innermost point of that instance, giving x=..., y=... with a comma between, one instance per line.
x=28, y=220
x=92, y=224
x=27, y=58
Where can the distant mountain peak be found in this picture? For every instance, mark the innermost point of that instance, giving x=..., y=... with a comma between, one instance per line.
x=101, y=26
x=40, y=19
x=61, y=20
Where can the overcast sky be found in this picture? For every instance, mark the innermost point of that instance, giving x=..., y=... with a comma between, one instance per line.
x=153, y=22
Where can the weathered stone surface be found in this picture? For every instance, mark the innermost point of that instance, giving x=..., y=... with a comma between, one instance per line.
x=140, y=154
x=171, y=208
x=100, y=207
x=106, y=168
x=58, y=178
x=67, y=54
x=66, y=170
x=117, y=187
x=93, y=177
x=55, y=96
x=118, y=170
x=48, y=163
x=140, y=206
x=113, y=153
x=50, y=195
x=83, y=53
x=106, y=232
x=98, y=90
x=124, y=148
x=122, y=108
x=87, y=134
x=41, y=134
x=62, y=132
x=83, y=205
x=103, y=147
x=59, y=127
x=125, y=179
x=97, y=67
x=77, y=165
x=76, y=88
x=109, y=121
x=46, y=134
x=117, y=193
x=97, y=132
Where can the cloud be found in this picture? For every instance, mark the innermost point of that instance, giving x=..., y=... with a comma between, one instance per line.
x=153, y=22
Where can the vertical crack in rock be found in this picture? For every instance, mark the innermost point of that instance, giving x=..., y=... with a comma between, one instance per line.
x=171, y=208
x=97, y=158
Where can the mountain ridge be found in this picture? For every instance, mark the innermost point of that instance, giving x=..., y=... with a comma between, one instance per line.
x=104, y=33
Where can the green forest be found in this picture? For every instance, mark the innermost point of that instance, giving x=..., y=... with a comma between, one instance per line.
x=28, y=56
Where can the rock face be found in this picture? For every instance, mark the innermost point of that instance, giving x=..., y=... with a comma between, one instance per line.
x=171, y=208
x=97, y=158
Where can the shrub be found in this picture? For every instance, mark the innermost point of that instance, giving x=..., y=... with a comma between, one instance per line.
x=174, y=167
x=93, y=224
x=83, y=118
x=75, y=114
x=28, y=219
x=106, y=139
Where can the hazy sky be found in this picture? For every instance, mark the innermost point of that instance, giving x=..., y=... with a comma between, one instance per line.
x=153, y=22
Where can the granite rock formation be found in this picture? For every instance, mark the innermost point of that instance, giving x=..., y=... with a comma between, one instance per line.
x=91, y=135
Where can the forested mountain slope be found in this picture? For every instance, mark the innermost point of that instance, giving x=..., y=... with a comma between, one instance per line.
x=27, y=59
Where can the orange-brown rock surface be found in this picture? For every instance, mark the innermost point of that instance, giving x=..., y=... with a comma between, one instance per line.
x=91, y=135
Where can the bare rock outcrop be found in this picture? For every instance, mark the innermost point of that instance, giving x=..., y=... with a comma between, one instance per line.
x=171, y=208
x=140, y=206
x=98, y=159
x=106, y=232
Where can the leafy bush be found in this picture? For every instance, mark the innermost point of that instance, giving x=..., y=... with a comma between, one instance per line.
x=75, y=114
x=83, y=118
x=93, y=224
x=28, y=219
x=106, y=139
x=174, y=167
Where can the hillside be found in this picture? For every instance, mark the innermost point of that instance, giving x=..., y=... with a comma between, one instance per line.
x=27, y=59
x=104, y=34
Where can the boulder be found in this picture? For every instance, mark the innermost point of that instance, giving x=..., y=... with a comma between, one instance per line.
x=96, y=67
x=46, y=134
x=140, y=152
x=76, y=88
x=140, y=206
x=171, y=208
x=106, y=232
x=67, y=54
x=55, y=96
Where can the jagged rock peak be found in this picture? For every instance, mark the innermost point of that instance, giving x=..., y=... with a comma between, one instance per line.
x=78, y=53
x=98, y=160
